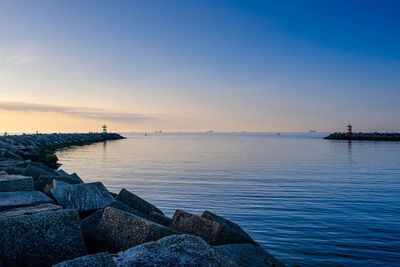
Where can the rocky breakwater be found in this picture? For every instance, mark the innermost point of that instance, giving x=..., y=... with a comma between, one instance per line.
x=365, y=136
x=51, y=218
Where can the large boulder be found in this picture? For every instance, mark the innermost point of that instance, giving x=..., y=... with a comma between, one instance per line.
x=118, y=230
x=136, y=202
x=160, y=218
x=41, y=165
x=175, y=250
x=11, y=183
x=82, y=197
x=40, y=239
x=11, y=155
x=231, y=226
x=35, y=172
x=15, y=170
x=211, y=231
x=90, y=223
x=69, y=178
x=5, y=164
x=44, y=180
x=89, y=229
x=28, y=210
x=249, y=255
x=11, y=200
x=103, y=259
x=152, y=216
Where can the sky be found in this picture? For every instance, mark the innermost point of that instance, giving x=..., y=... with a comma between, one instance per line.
x=262, y=66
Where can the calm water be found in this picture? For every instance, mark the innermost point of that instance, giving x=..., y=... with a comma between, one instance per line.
x=306, y=200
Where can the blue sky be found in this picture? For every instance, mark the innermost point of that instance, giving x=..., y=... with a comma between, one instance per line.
x=199, y=65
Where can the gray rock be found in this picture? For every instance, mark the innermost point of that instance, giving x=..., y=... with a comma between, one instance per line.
x=249, y=255
x=28, y=210
x=72, y=179
x=5, y=164
x=43, y=166
x=44, y=180
x=83, y=197
x=118, y=230
x=160, y=218
x=11, y=200
x=3, y=173
x=61, y=172
x=56, y=183
x=90, y=223
x=76, y=177
x=41, y=239
x=11, y=183
x=15, y=170
x=175, y=250
x=211, y=231
x=136, y=202
x=35, y=172
x=103, y=259
x=11, y=155
x=229, y=225
x=60, y=178
x=119, y=205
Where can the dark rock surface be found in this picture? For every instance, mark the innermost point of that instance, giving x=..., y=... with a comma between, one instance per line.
x=136, y=202
x=15, y=170
x=10, y=200
x=40, y=239
x=175, y=250
x=118, y=230
x=44, y=180
x=83, y=197
x=365, y=136
x=5, y=164
x=153, y=216
x=103, y=259
x=69, y=178
x=249, y=255
x=229, y=226
x=28, y=210
x=35, y=172
x=11, y=183
x=89, y=229
x=160, y=218
x=211, y=231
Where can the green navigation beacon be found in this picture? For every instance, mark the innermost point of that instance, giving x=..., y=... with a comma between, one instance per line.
x=104, y=129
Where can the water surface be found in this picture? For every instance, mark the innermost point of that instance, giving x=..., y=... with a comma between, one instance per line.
x=306, y=200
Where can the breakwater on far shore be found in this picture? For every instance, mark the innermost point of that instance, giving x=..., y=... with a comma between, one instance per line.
x=365, y=136
x=49, y=217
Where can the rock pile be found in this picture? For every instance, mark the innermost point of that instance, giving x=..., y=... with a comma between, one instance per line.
x=51, y=218
x=365, y=136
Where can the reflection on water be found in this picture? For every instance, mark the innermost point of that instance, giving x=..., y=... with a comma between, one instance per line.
x=306, y=200
x=348, y=143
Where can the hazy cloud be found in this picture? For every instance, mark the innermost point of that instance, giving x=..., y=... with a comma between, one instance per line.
x=81, y=112
x=22, y=56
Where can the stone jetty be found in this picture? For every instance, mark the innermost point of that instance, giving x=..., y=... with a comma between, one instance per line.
x=49, y=217
x=365, y=136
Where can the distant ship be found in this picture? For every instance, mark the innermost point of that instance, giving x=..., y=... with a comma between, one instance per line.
x=209, y=131
x=312, y=131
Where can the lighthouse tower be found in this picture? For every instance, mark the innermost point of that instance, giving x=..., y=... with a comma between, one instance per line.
x=349, y=130
x=104, y=129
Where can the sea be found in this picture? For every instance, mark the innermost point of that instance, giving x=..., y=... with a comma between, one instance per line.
x=306, y=200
